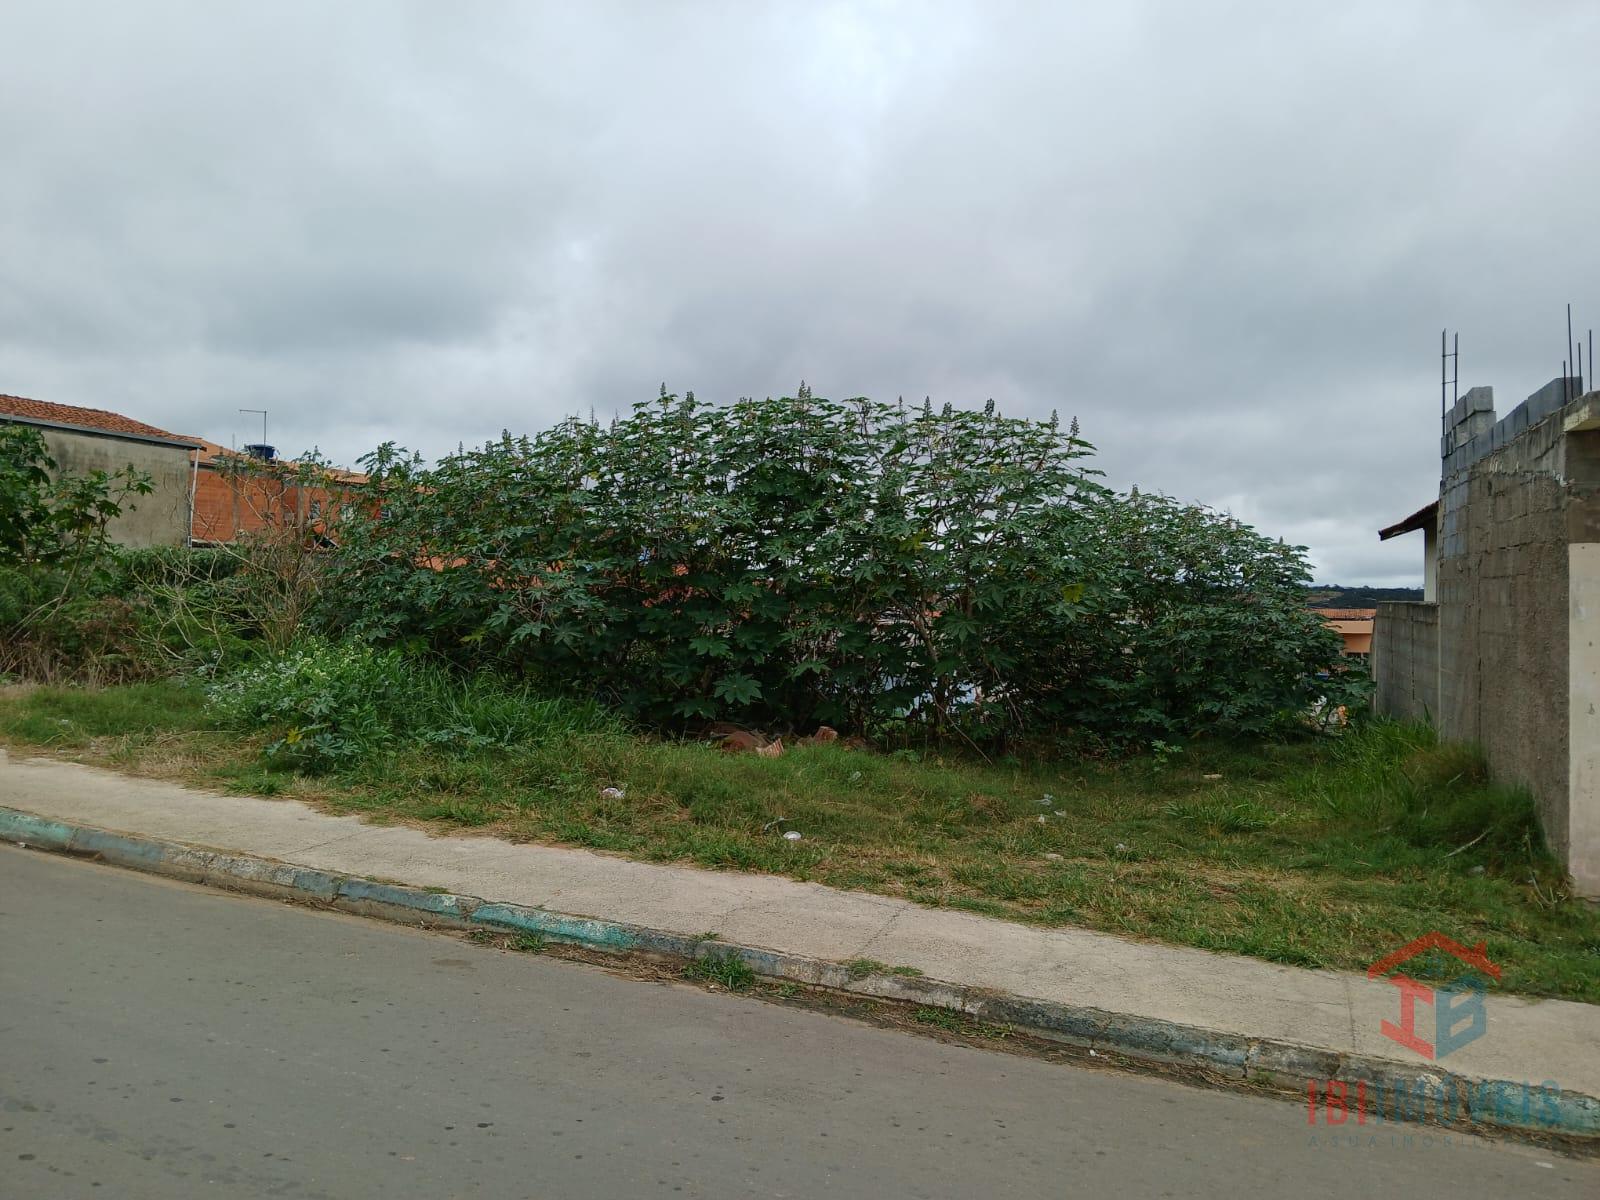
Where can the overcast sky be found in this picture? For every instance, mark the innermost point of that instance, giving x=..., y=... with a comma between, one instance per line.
x=1225, y=236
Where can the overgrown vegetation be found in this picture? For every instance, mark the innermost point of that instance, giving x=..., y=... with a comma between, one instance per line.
x=53, y=557
x=910, y=575
x=914, y=576
x=919, y=578
x=338, y=705
x=75, y=607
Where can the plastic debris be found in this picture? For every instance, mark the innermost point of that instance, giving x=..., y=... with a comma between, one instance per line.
x=1475, y=871
x=1047, y=798
x=612, y=793
x=1122, y=847
x=789, y=835
x=1041, y=818
x=1052, y=857
x=1059, y=813
x=1211, y=777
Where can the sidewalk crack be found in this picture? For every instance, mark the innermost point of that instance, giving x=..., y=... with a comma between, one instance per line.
x=1350, y=1009
x=343, y=837
x=884, y=932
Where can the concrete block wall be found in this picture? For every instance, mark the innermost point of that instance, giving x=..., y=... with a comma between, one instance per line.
x=1512, y=493
x=1471, y=432
x=1503, y=633
x=1405, y=660
x=1515, y=638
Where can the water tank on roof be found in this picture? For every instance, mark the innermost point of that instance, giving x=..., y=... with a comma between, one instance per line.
x=263, y=452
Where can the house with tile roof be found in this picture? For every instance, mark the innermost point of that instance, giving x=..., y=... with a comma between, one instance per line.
x=205, y=494
x=84, y=440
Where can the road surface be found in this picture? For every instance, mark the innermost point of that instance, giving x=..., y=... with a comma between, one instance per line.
x=163, y=1041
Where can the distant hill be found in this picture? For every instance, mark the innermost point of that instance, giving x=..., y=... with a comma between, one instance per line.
x=1333, y=595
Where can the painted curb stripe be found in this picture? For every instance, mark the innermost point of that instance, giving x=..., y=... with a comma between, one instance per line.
x=1505, y=1104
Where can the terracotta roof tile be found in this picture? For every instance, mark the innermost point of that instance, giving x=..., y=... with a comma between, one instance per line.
x=83, y=418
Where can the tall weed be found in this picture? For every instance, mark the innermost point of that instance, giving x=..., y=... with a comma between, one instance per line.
x=333, y=705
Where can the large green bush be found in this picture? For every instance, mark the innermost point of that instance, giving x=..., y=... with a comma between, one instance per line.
x=951, y=574
x=1192, y=622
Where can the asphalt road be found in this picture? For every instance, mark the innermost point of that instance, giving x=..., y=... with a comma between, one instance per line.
x=168, y=1042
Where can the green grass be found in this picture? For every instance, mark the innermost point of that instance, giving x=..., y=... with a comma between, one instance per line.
x=956, y=1022
x=732, y=973
x=1321, y=853
x=73, y=717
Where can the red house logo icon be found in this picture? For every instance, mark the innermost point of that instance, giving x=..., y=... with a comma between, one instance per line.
x=1458, y=1011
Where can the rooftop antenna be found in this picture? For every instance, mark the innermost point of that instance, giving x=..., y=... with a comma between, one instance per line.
x=1566, y=387
x=262, y=413
x=261, y=450
x=1449, y=385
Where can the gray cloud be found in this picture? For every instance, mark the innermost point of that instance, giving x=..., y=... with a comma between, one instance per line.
x=1225, y=238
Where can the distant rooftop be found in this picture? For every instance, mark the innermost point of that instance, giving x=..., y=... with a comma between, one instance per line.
x=212, y=453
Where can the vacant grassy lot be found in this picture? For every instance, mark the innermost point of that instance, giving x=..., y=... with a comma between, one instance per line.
x=1318, y=853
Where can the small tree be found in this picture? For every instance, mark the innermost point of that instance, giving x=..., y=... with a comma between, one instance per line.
x=54, y=552
x=49, y=520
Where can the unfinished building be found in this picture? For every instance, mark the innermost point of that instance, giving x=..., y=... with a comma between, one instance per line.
x=1504, y=649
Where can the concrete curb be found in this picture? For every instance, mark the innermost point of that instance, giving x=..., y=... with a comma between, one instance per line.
x=1407, y=1093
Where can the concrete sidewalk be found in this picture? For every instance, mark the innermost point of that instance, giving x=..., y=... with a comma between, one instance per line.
x=1065, y=970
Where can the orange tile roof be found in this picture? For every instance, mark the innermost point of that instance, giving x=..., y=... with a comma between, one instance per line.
x=74, y=417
